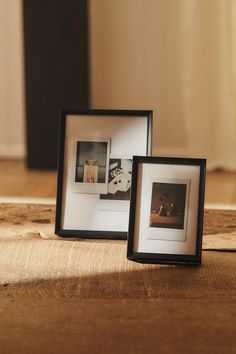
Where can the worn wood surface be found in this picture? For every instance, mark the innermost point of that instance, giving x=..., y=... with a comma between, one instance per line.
x=83, y=296
x=37, y=221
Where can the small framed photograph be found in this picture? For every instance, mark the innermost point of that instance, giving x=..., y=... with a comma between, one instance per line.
x=166, y=210
x=91, y=166
x=95, y=170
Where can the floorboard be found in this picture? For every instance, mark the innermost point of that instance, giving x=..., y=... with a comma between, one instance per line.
x=17, y=181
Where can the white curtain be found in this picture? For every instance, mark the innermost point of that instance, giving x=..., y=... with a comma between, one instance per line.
x=177, y=57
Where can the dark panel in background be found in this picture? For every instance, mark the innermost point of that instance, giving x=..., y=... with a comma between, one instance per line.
x=56, y=71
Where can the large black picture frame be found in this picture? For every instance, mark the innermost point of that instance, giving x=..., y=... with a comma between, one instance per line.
x=142, y=249
x=75, y=124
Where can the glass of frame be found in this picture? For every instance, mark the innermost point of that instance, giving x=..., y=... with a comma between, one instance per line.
x=95, y=170
x=166, y=210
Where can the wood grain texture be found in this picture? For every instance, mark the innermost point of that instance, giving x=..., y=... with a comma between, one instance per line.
x=219, y=222
x=84, y=296
x=164, y=309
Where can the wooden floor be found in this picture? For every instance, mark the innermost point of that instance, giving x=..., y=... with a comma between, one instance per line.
x=83, y=296
x=17, y=181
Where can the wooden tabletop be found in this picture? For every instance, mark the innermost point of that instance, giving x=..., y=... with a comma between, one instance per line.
x=83, y=296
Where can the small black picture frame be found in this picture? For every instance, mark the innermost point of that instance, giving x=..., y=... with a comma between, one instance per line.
x=166, y=210
x=96, y=149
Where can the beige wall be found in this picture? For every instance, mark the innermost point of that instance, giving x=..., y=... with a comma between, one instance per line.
x=176, y=57
x=12, y=140
x=127, y=54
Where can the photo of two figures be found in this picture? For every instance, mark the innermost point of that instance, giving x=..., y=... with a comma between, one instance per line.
x=94, y=165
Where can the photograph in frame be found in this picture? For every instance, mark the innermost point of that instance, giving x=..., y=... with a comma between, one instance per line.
x=166, y=212
x=95, y=170
x=119, y=185
x=169, y=209
x=91, y=166
x=119, y=182
x=168, y=205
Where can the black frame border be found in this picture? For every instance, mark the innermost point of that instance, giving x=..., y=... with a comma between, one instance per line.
x=94, y=112
x=160, y=257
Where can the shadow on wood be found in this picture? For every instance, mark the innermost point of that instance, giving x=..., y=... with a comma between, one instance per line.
x=176, y=309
